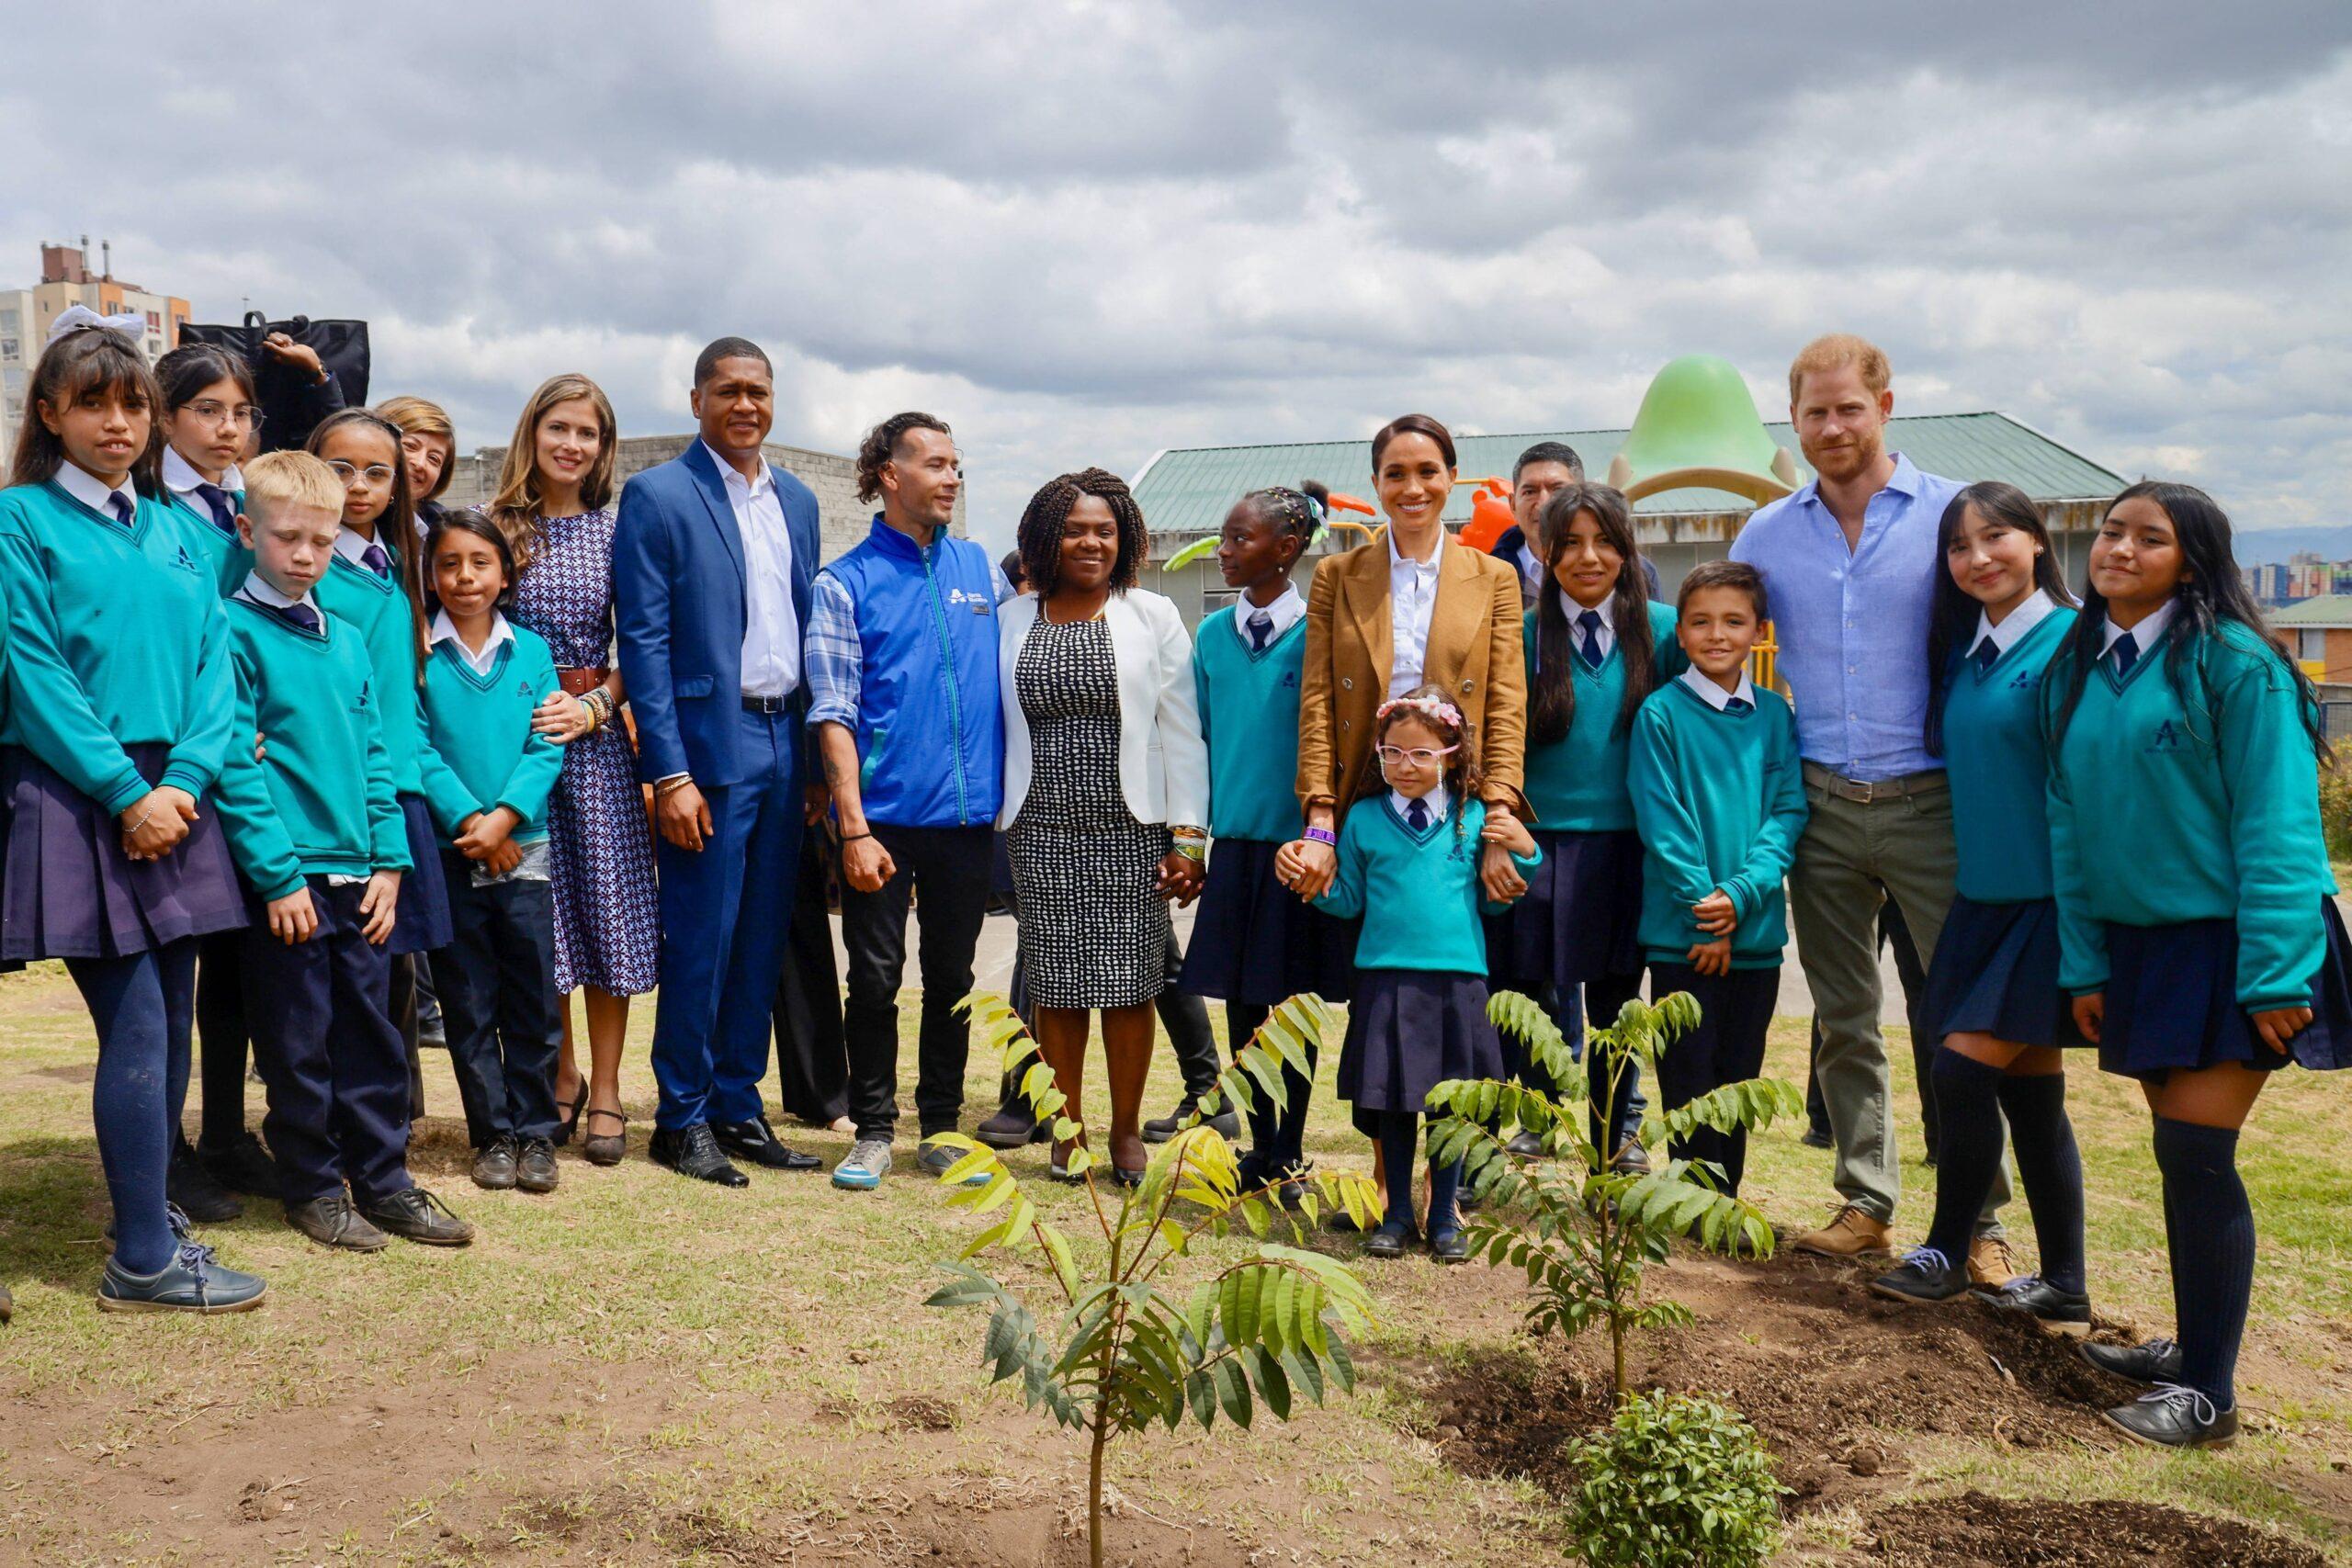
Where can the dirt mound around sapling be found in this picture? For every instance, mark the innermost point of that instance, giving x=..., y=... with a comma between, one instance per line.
x=1977, y=1532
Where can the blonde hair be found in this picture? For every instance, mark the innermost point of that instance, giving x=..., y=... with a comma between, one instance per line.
x=517, y=502
x=290, y=477
x=1836, y=351
x=420, y=416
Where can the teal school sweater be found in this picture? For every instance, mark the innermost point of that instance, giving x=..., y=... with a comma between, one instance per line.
x=232, y=562
x=116, y=639
x=1418, y=894
x=1999, y=767
x=379, y=608
x=1250, y=714
x=481, y=751
x=321, y=804
x=2165, y=809
x=1719, y=801
x=1577, y=784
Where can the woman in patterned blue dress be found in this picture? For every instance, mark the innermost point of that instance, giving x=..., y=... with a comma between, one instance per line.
x=553, y=500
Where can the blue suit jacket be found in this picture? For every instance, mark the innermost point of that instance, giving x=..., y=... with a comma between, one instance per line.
x=679, y=612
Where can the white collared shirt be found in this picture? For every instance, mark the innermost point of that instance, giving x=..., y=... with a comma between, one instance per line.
x=259, y=589
x=446, y=630
x=1606, y=609
x=181, y=475
x=2145, y=635
x=771, y=627
x=86, y=487
x=1285, y=612
x=352, y=548
x=2018, y=622
x=1718, y=698
x=1437, y=800
x=1412, y=596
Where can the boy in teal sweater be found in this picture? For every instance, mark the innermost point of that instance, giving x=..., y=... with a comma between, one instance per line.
x=1719, y=801
x=317, y=836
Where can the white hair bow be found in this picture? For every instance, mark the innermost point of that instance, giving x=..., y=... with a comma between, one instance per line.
x=75, y=317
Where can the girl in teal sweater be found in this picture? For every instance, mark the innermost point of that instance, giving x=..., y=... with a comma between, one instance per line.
x=488, y=774
x=2197, y=927
x=1596, y=646
x=1254, y=945
x=2002, y=612
x=119, y=706
x=1417, y=1017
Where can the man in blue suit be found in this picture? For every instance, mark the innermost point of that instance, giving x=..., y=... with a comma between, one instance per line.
x=712, y=560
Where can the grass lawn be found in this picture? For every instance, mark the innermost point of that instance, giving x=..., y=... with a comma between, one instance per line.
x=640, y=1368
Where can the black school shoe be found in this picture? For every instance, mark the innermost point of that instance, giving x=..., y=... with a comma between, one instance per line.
x=242, y=1166
x=1159, y=1129
x=417, y=1215
x=2175, y=1416
x=333, y=1221
x=1925, y=1275
x=535, y=1170
x=1450, y=1246
x=756, y=1142
x=494, y=1165
x=1390, y=1240
x=2158, y=1361
x=1013, y=1126
x=195, y=1189
x=192, y=1282
x=2047, y=1305
x=693, y=1151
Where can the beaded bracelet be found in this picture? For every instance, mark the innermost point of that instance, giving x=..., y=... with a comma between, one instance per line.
x=1322, y=836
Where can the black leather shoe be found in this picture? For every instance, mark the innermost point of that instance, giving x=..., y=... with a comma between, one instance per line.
x=1524, y=1145
x=332, y=1221
x=2157, y=1361
x=195, y=1192
x=756, y=1142
x=2040, y=1300
x=417, y=1215
x=1925, y=1275
x=1816, y=1138
x=1159, y=1129
x=494, y=1165
x=2174, y=1417
x=1011, y=1127
x=693, y=1151
x=1633, y=1160
x=242, y=1166
x=1390, y=1240
x=1450, y=1246
x=535, y=1170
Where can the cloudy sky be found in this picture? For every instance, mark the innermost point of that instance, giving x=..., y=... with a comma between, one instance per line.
x=1084, y=231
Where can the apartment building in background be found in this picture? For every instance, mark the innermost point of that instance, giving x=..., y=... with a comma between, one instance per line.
x=66, y=280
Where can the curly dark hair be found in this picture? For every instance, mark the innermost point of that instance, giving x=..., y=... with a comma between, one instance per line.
x=1048, y=509
x=881, y=444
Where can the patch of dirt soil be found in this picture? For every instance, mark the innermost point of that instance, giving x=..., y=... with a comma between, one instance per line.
x=1831, y=1376
x=1977, y=1532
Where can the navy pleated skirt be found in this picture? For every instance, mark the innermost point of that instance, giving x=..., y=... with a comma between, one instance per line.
x=1580, y=918
x=70, y=892
x=1257, y=942
x=421, y=923
x=1995, y=972
x=2172, y=1001
x=1409, y=1031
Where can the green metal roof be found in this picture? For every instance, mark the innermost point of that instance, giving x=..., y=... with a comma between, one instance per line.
x=1187, y=490
x=2327, y=610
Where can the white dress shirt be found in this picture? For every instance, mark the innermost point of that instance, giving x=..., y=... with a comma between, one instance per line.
x=1284, y=612
x=446, y=630
x=1606, y=635
x=1412, y=596
x=86, y=487
x=352, y=548
x=2145, y=635
x=1718, y=698
x=771, y=627
x=1437, y=800
x=180, y=475
x=259, y=589
x=2019, y=620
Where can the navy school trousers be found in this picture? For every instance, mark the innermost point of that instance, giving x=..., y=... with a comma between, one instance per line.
x=498, y=1003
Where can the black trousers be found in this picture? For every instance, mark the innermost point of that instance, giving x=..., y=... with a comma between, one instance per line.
x=947, y=868
x=324, y=1041
x=220, y=1027
x=811, y=1057
x=1912, y=977
x=498, y=1004
x=1735, y=1015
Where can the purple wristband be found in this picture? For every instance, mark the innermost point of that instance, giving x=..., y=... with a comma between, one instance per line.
x=1322, y=836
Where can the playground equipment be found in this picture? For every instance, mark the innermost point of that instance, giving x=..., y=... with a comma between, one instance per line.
x=1207, y=544
x=1698, y=428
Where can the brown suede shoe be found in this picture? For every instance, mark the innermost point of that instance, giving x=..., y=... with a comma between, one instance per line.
x=1851, y=1234
x=1990, y=1265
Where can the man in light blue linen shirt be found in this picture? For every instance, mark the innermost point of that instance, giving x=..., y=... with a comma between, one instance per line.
x=1849, y=564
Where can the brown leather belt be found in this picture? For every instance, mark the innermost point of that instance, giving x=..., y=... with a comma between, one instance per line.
x=580, y=683
x=1934, y=781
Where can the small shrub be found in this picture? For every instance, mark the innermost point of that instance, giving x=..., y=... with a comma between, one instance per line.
x=1674, y=1482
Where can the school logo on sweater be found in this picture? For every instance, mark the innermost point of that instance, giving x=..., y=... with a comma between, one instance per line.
x=186, y=562
x=363, y=695
x=2167, y=738
x=523, y=688
x=2025, y=680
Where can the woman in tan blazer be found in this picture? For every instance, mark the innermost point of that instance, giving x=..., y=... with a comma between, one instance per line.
x=1415, y=606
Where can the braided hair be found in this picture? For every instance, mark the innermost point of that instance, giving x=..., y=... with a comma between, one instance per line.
x=1297, y=513
x=1042, y=521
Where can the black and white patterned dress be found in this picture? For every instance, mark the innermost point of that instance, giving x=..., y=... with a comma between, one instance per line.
x=1093, y=925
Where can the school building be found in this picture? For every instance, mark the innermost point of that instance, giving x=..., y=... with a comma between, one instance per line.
x=65, y=280
x=1186, y=491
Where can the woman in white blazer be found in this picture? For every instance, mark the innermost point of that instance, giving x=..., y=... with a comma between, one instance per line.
x=1106, y=788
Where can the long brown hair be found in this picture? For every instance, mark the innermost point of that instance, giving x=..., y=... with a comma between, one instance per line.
x=1552, y=688
x=394, y=522
x=87, y=360
x=517, y=504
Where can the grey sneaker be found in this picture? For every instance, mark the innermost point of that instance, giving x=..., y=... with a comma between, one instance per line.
x=864, y=1168
x=939, y=1159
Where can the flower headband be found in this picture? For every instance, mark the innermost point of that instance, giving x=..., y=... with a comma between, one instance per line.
x=1430, y=705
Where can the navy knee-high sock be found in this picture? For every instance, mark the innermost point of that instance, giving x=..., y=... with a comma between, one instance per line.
x=2213, y=1252
x=175, y=971
x=1968, y=1150
x=1445, y=1186
x=128, y=1100
x=2052, y=1170
x=1400, y=1137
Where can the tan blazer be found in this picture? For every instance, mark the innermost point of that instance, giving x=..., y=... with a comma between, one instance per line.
x=1474, y=652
